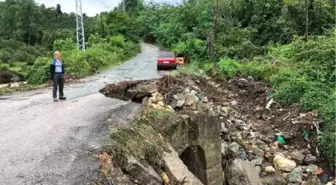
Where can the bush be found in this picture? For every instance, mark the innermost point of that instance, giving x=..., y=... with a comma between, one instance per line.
x=326, y=143
x=229, y=67
x=102, y=52
x=316, y=96
x=39, y=72
x=258, y=70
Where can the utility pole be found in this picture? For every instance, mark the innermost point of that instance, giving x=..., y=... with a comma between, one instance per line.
x=307, y=20
x=80, y=26
x=124, y=5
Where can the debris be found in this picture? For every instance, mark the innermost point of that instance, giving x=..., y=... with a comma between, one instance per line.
x=281, y=139
x=240, y=106
x=270, y=102
x=306, y=135
x=317, y=128
x=165, y=178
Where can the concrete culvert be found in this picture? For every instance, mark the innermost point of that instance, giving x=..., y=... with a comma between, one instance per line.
x=194, y=158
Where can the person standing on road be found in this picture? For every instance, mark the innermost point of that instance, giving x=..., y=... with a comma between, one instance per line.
x=57, y=75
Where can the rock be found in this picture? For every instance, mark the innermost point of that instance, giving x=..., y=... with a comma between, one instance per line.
x=269, y=156
x=165, y=178
x=130, y=90
x=225, y=149
x=4, y=85
x=242, y=80
x=144, y=175
x=275, y=179
x=205, y=100
x=312, y=181
x=15, y=84
x=296, y=175
x=310, y=159
x=257, y=162
x=226, y=110
x=240, y=172
x=234, y=102
x=258, y=169
x=311, y=168
x=269, y=169
x=298, y=157
x=224, y=130
x=180, y=103
x=238, y=136
x=324, y=178
x=177, y=170
x=282, y=163
x=256, y=150
x=236, y=151
x=189, y=100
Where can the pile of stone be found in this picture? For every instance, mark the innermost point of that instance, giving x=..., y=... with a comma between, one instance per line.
x=156, y=102
x=249, y=156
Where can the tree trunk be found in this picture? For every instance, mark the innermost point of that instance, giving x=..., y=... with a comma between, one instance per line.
x=213, y=31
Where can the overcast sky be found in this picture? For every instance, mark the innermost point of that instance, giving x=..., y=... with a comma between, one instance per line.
x=91, y=7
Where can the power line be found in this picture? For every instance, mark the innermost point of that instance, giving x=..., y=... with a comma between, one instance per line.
x=80, y=26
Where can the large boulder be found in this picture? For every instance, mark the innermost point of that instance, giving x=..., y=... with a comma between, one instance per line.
x=274, y=179
x=236, y=151
x=282, y=163
x=240, y=172
x=295, y=176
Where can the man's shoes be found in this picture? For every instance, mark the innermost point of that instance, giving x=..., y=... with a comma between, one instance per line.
x=62, y=98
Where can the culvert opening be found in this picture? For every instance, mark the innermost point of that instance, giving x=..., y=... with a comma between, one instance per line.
x=194, y=158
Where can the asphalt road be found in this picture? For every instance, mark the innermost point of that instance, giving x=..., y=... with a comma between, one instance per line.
x=42, y=142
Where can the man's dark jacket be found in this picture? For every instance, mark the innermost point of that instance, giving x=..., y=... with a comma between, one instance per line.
x=52, y=68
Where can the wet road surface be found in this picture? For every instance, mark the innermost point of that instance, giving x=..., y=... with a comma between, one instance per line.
x=47, y=143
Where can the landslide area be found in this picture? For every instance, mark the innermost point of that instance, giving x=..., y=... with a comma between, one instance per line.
x=278, y=141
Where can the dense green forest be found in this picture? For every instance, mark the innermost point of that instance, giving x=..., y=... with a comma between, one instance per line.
x=288, y=43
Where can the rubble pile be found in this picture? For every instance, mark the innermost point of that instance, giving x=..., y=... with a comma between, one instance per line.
x=262, y=142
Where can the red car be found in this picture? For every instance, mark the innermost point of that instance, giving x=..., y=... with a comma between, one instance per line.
x=166, y=60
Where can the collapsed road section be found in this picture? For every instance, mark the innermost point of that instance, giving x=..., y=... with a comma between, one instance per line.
x=192, y=130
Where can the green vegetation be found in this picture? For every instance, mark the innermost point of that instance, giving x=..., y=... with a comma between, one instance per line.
x=269, y=40
x=29, y=36
x=141, y=139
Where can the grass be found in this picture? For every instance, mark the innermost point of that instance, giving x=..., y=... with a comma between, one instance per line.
x=191, y=68
x=142, y=139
